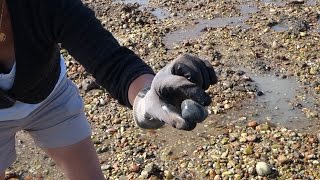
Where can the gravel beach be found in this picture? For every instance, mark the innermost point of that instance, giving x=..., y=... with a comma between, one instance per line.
x=265, y=111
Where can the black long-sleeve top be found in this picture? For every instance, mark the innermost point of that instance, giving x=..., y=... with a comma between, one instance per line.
x=38, y=27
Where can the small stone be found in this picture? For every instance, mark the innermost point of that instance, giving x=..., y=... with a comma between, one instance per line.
x=263, y=169
x=297, y=1
x=10, y=174
x=314, y=70
x=115, y=166
x=168, y=175
x=212, y=174
x=28, y=177
x=207, y=47
x=102, y=102
x=252, y=138
x=252, y=123
x=224, y=141
x=263, y=127
x=282, y=159
x=105, y=167
x=312, y=140
x=302, y=34
x=89, y=84
x=296, y=146
x=274, y=45
x=260, y=93
x=248, y=150
x=243, y=140
x=226, y=173
x=225, y=154
x=134, y=168
x=183, y=165
x=297, y=154
x=197, y=46
x=147, y=170
x=151, y=45
x=315, y=162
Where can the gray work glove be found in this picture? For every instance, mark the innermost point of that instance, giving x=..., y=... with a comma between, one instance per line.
x=177, y=95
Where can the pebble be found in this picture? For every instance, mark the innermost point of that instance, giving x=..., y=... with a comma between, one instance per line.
x=252, y=123
x=134, y=168
x=168, y=175
x=105, y=167
x=282, y=159
x=263, y=169
x=252, y=138
x=248, y=150
x=89, y=84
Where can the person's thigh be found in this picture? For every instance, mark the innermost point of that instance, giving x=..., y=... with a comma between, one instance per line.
x=62, y=121
x=62, y=130
x=2, y=174
x=79, y=161
x=8, y=130
x=7, y=152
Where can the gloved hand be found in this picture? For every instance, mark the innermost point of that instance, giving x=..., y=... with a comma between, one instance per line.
x=177, y=95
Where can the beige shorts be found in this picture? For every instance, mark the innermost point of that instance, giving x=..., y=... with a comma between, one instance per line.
x=59, y=121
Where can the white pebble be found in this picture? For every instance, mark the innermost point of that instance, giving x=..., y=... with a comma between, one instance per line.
x=263, y=169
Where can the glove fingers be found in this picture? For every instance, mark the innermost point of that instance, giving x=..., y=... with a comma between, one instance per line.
x=170, y=115
x=212, y=74
x=183, y=69
x=192, y=111
x=195, y=70
x=179, y=89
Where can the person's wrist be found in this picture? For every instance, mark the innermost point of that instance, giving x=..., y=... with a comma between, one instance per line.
x=141, y=82
x=141, y=110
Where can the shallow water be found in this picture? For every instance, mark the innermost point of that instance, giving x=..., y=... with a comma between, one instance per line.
x=191, y=33
x=279, y=102
x=141, y=2
x=248, y=8
x=280, y=27
x=278, y=93
x=160, y=13
x=283, y=3
x=275, y=2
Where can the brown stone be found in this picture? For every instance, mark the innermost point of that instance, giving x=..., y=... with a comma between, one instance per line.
x=134, y=168
x=252, y=123
x=282, y=159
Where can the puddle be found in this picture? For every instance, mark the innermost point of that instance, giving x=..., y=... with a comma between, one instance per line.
x=312, y=2
x=246, y=9
x=280, y=27
x=158, y=12
x=275, y=103
x=191, y=33
x=284, y=3
x=141, y=2
x=275, y=2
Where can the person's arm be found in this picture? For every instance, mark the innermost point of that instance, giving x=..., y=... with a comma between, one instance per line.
x=115, y=67
x=176, y=95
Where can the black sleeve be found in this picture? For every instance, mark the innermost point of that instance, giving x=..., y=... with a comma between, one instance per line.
x=81, y=33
